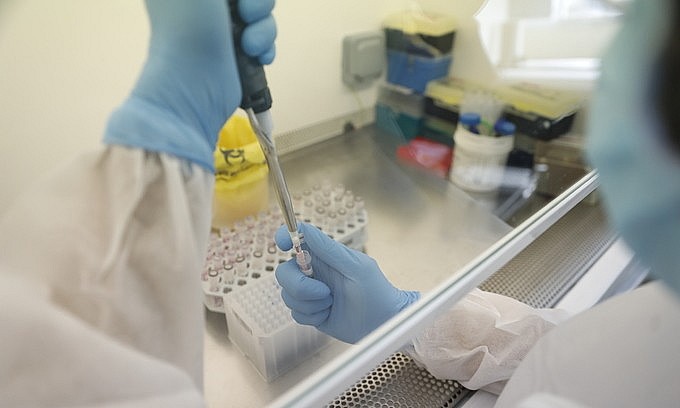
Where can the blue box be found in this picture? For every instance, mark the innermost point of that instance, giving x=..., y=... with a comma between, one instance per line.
x=414, y=71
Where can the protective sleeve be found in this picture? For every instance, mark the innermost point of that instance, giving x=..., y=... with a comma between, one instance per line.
x=100, y=299
x=482, y=339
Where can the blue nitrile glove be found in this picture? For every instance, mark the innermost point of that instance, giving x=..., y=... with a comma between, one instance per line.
x=348, y=296
x=189, y=85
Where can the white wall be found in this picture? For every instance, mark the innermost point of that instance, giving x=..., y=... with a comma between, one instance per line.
x=65, y=64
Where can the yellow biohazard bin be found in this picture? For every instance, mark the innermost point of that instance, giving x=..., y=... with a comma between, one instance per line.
x=241, y=183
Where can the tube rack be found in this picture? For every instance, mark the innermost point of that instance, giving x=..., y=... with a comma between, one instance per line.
x=246, y=252
x=261, y=327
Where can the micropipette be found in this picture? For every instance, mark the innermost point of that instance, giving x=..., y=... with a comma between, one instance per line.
x=256, y=101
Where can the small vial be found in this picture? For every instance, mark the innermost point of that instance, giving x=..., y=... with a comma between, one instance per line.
x=241, y=266
x=319, y=217
x=358, y=205
x=260, y=242
x=240, y=226
x=339, y=190
x=213, y=280
x=258, y=260
x=304, y=261
x=337, y=201
x=349, y=196
x=332, y=221
x=228, y=273
x=230, y=256
x=250, y=222
x=342, y=216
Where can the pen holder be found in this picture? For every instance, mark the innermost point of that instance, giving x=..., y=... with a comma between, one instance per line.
x=478, y=160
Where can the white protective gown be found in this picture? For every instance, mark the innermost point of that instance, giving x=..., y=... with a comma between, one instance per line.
x=100, y=299
x=621, y=353
x=482, y=339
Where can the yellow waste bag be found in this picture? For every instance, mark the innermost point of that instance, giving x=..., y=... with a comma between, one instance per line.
x=241, y=184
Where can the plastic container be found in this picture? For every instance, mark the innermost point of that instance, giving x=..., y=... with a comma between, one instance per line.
x=430, y=155
x=438, y=130
x=443, y=98
x=399, y=111
x=479, y=161
x=261, y=327
x=540, y=112
x=420, y=33
x=401, y=99
x=414, y=71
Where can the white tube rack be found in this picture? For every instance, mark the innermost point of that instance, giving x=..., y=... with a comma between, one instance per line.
x=246, y=252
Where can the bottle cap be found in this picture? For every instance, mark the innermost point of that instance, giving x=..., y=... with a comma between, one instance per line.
x=504, y=127
x=470, y=118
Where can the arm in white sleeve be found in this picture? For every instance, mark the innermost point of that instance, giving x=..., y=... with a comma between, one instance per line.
x=100, y=299
x=482, y=339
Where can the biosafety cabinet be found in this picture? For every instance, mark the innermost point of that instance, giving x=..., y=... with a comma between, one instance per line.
x=526, y=223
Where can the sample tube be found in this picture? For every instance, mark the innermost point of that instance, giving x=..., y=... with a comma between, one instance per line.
x=319, y=217
x=228, y=273
x=358, y=205
x=213, y=280
x=257, y=260
x=333, y=223
x=240, y=265
x=304, y=261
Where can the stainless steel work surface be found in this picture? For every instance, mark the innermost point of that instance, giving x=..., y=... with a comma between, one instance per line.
x=420, y=229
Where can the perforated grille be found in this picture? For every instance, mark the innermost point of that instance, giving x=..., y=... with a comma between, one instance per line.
x=399, y=383
x=546, y=269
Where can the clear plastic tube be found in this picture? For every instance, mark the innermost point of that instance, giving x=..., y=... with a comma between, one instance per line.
x=228, y=273
x=240, y=265
x=257, y=260
x=213, y=280
x=304, y=261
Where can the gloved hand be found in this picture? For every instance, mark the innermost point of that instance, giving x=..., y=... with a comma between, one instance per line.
x=347, y=297
x=189, y=85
